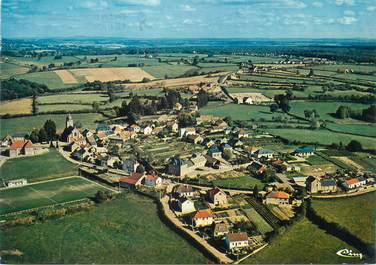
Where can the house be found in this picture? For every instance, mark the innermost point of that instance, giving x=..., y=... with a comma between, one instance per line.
x=354, y=183
x=217, y=196
x=152, y=180
x=186, y=206
x=178, y=106
x=198, y=160
x=131, y=182
x=237, y=240
x=195, y=139
x=214, y=152
x=264, y=153
x=185, y=191
x=148, y=130
x=173, y=127
x=113, y=161
x=277, y=198
x=18, y=136
x=208, y=142
x=179, y=167
x=300, y=181
x=256, y=168
x=6, y=141
x=315, y=185
x=135, y=128
x=220, y=230
x=184, y=132
x=16, y=183
x=242, y=134
x=21, y=147
x=203, y=218
x=304, y=151
x=130, y=165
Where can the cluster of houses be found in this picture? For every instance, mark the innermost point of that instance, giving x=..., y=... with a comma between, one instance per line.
x=17, y=146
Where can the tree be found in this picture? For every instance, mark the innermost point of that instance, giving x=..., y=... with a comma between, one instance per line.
x=227, y=154
x=354, y=146
x=42, y=135
x=229, y=121
x=308, y=113
x=255, y=191
x=140, y=169
x=311, y=73
x=202, y=99
x=34, y=136
x=50, y=128
x=273, y=107
x=315, y=123
x=369, y=114
x=343, y=112
x=95, y=106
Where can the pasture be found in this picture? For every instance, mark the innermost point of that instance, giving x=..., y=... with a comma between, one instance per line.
x=46, y=166
x=47, y=193
x=9, y=70
x=134, y=74
x=170, y=71
x=302, y=243
x=17, y=106
x=50, y=79
x=348, y=213
x=82, y=98
x=133, y=235
x=27, y=124
x=63, y=107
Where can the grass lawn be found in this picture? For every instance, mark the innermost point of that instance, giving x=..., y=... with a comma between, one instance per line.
x=47, y=193
x=357, y=214
x=36, y=168
x=51, y=79
x=26, y=124
x=126, y=230
x=245, y=182
x=303, y=243
x=322, y=137
x=72, y=98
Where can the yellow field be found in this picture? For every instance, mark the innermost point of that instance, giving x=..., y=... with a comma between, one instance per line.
x=17, y=106
x=133, y=74
x=66, y=77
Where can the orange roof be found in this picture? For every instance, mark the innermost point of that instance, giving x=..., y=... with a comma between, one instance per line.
x=101, y=134
x=278, y=195
x=352, y=181
x=151, y=177
x=203, y=214
x=19, y=144
x=133, y=179
x=241, y=236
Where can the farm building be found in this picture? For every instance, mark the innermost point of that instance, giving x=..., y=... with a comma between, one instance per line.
x=16, y=183
x=304, y=151
x=131, y=182
x=354, y=183
x=203, y=218
x=264, y=153
x=315, y=185
x=277, y=197
x=21, y=147
x=237, y=240
x=152, y=180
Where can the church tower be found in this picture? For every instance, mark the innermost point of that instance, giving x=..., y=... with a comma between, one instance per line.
x=69, y=121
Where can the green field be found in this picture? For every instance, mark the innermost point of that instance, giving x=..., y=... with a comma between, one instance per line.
x=26, y=124
x=63, y=107
x=50, y=79
x=260, y=223
x=357, y=214
x=361, y=129
x=126, y=230
x=47, y=193
x=43, y=61
x=72, y=98
x=172, y=71
x=322, y=137
x=50, y=165
x=303, y=243
x=9, y=69
x=245, y=182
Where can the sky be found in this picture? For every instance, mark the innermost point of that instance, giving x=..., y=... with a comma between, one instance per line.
x=189, y=18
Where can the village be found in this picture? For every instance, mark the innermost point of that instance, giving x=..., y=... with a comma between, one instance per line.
x=179, y=166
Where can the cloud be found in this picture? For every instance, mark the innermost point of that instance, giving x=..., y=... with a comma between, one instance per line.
x=371, y=8
x=187, y=8
x=317, y=4
x=94, y=5
x=345, y=2
x=141, y=2
x=294, y=4
x=168, y=17
x=349, y=13
x=347, y=20
x=130, y=12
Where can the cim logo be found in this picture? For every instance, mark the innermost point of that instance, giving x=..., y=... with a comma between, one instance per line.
x=348, y=253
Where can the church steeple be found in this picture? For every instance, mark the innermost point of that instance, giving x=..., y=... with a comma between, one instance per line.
x=69, y=121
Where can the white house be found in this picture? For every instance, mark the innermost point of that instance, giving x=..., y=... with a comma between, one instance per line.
x=277, y=197
x=148, y=130
x=237, y=240
x=152, y=180
x=354, y=183
x=186, y=205
x=16, y=183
